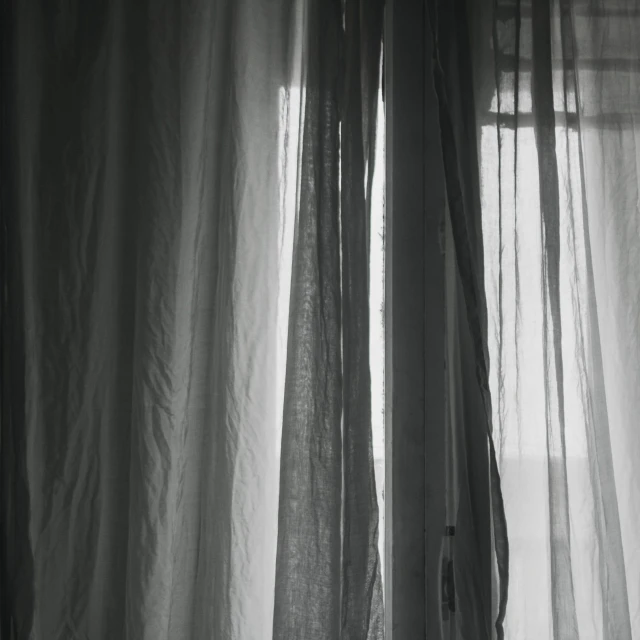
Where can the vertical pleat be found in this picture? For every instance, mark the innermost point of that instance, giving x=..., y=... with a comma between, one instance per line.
x=362, y=614
x=308, y=571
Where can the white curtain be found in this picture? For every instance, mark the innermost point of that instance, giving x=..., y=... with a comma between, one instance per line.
x=558, y=107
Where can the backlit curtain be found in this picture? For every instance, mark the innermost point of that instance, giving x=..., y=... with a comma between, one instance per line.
x=186, y=428
x=557, y=97
x=540, y=122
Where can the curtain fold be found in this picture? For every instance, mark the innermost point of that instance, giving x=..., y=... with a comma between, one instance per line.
x=308, y=575
x=162, y=477
x=328, y=564
x=363, y=615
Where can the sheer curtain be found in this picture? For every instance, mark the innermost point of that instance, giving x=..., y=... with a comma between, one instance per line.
x=186, y=426
x=557, y=91
x=328, y=581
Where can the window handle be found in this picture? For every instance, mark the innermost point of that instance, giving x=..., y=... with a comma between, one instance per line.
x=447, y=578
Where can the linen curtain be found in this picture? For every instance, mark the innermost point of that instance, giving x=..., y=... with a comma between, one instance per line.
x=557, y=100
x=328, y=564
x=186, y=428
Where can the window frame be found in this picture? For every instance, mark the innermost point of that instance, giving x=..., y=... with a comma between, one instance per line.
x=417, y=278
x=414, y=325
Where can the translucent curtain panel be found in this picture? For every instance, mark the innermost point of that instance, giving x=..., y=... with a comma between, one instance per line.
x=557, y=87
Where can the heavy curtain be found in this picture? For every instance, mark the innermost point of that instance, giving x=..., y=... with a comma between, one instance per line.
x=557, y=102
x=186, y=424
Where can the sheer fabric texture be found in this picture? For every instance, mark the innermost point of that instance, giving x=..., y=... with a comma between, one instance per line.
x=186, y=425
x=557, y=90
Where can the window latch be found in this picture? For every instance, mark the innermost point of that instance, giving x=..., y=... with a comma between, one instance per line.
x=448, y=587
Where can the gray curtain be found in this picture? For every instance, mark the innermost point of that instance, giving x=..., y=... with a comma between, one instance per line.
x=186, y=429
x=328, y=564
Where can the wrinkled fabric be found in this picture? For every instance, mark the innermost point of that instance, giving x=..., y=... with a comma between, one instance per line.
x=557, y=89
x=328, y=561
x=146, y=221
x=163, y=157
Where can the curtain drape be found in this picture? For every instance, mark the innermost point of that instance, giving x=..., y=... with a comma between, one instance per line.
x=186, y=428
x=539, y=119
x=557, y=100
